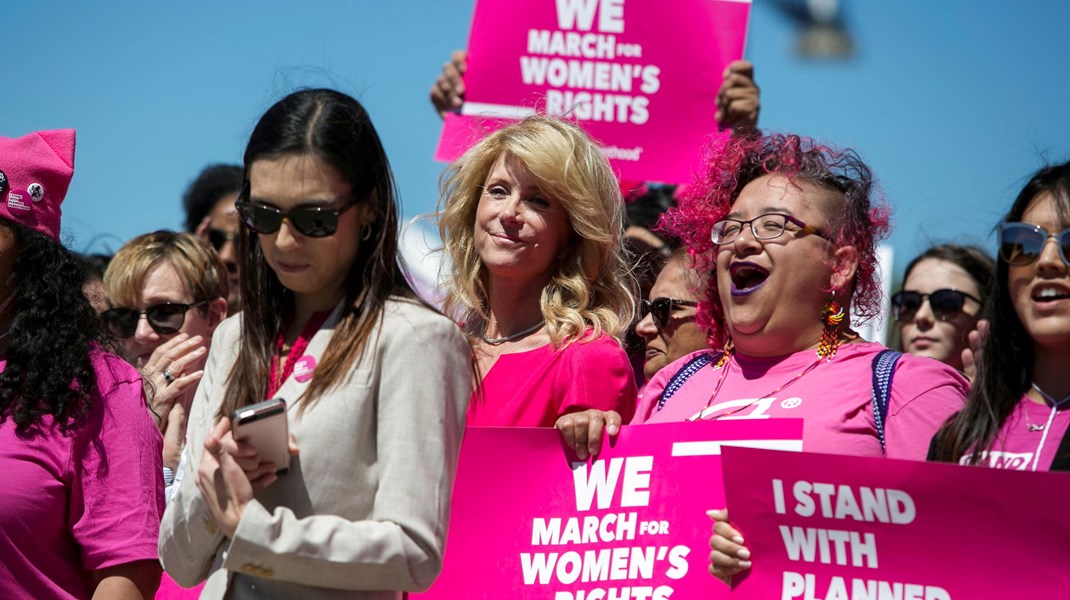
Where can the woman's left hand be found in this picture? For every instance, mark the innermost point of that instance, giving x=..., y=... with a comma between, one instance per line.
x=228, y=475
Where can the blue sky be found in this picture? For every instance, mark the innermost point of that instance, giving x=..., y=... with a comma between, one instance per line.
x=953, y=103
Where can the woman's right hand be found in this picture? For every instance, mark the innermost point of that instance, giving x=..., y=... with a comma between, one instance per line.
x=728, y=555
x=183, y=358
x=447, y=95
x=582, y=431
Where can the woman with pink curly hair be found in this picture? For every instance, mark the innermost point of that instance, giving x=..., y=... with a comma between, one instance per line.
x=789, y=228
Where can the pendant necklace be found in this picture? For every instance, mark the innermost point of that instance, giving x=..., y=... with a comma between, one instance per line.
x=509, y=338
x=1051, y=401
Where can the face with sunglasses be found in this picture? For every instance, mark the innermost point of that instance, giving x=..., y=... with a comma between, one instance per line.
x=667, y=320
x=936, y=310
x=309, y=227
x=1036, y=250
x=221, y=231
x=164, y=309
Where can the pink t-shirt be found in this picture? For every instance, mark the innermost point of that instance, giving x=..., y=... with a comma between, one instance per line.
x=71, y=504
x=534, y=388
x=1023, y=436
x=834, y=399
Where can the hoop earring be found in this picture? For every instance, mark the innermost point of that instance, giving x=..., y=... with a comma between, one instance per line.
x=365, y=232
x=832, y=315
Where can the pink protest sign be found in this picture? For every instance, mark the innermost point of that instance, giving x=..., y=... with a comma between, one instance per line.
x=641, y=76
x=824, y=527
x=529, y=522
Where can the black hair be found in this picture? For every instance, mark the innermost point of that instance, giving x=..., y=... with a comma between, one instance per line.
x=1005, y=367
x=213, y=182
x=52, y=334
x=975, y=261
x=335, y=128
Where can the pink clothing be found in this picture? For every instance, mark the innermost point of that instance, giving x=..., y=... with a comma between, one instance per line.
x=534, y=388
x=834, y=399
x=74, y=503
x=1024, y=434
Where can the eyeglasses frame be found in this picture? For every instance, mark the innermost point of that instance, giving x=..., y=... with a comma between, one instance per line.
x=803, y=228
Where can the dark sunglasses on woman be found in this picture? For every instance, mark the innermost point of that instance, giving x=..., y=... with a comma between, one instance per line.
x=218, y=238
x=945, y=304
x=660, y=309
x=311, y=221
x=1021, y=244
x=165, y=318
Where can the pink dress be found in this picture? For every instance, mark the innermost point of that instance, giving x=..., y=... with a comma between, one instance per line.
x=834, y=399
x=74, y=503
x=534, y=388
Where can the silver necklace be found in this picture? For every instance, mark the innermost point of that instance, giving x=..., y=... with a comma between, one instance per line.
x=510, y=338
x=1054, y=404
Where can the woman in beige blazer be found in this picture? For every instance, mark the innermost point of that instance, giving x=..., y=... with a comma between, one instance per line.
x=376, y=383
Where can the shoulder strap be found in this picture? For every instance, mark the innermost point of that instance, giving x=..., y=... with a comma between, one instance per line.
x=683, y=375
x=883, y=370
x=1062, y=454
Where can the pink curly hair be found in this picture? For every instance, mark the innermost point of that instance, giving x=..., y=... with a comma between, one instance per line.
x=731, y=165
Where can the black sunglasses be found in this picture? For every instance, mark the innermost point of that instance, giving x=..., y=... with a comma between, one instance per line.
x=311, y=221
x=660, y=309
x=165, y=318
x=1020, y=244
x=218, y=238
x=945, y=304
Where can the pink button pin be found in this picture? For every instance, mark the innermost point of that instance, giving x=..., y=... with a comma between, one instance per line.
x=304, y=368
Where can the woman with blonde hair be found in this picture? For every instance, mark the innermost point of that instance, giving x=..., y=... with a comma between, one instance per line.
x=168, y=292
x=532, y=219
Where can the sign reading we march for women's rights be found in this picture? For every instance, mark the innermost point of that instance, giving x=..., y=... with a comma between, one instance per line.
x=825, y=527
x=640, y=76
x=529, y=521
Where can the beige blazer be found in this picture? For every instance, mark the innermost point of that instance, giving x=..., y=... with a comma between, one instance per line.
x=363, y=510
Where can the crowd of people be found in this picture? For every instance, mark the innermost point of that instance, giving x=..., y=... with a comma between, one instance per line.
x=739, y=292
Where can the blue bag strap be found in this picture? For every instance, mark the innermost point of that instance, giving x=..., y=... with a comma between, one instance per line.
x=683, y=375
x=883, y=370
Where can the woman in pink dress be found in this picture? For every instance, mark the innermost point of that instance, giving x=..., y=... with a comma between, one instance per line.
x=532, y=219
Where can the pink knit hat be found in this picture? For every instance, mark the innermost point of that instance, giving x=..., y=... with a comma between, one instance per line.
x=35, y=172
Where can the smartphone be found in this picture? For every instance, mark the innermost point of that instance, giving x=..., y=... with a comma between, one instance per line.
x=263, y=425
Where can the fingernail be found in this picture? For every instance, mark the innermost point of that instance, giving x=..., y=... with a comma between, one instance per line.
x=612, y=429
x=744, y=564
x=737, y=539
x=743, y=553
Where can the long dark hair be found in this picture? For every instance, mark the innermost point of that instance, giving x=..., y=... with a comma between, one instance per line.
x=1005, y=368
x=52, y=334
x=335, y=128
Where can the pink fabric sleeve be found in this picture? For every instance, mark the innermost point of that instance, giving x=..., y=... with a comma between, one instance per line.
x=648, y=399
x=925, y=392
x=598, y=375
x=116, y=471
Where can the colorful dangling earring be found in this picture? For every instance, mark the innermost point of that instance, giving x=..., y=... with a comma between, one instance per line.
x=726, y=354
x=832, y=315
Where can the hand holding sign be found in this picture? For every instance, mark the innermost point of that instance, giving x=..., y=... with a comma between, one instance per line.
x=728, y=555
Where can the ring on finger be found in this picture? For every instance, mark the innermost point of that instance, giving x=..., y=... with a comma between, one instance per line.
x=167, y=375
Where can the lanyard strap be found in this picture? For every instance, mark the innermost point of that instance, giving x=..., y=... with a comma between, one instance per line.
x=276, y=379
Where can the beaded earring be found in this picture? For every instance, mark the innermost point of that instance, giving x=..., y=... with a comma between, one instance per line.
x=832, y=315
x=726, y=354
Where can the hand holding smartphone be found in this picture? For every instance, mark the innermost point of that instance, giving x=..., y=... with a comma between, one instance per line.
x=264, y=427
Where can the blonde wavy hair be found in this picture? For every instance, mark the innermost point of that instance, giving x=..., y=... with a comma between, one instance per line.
x=592, y=287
